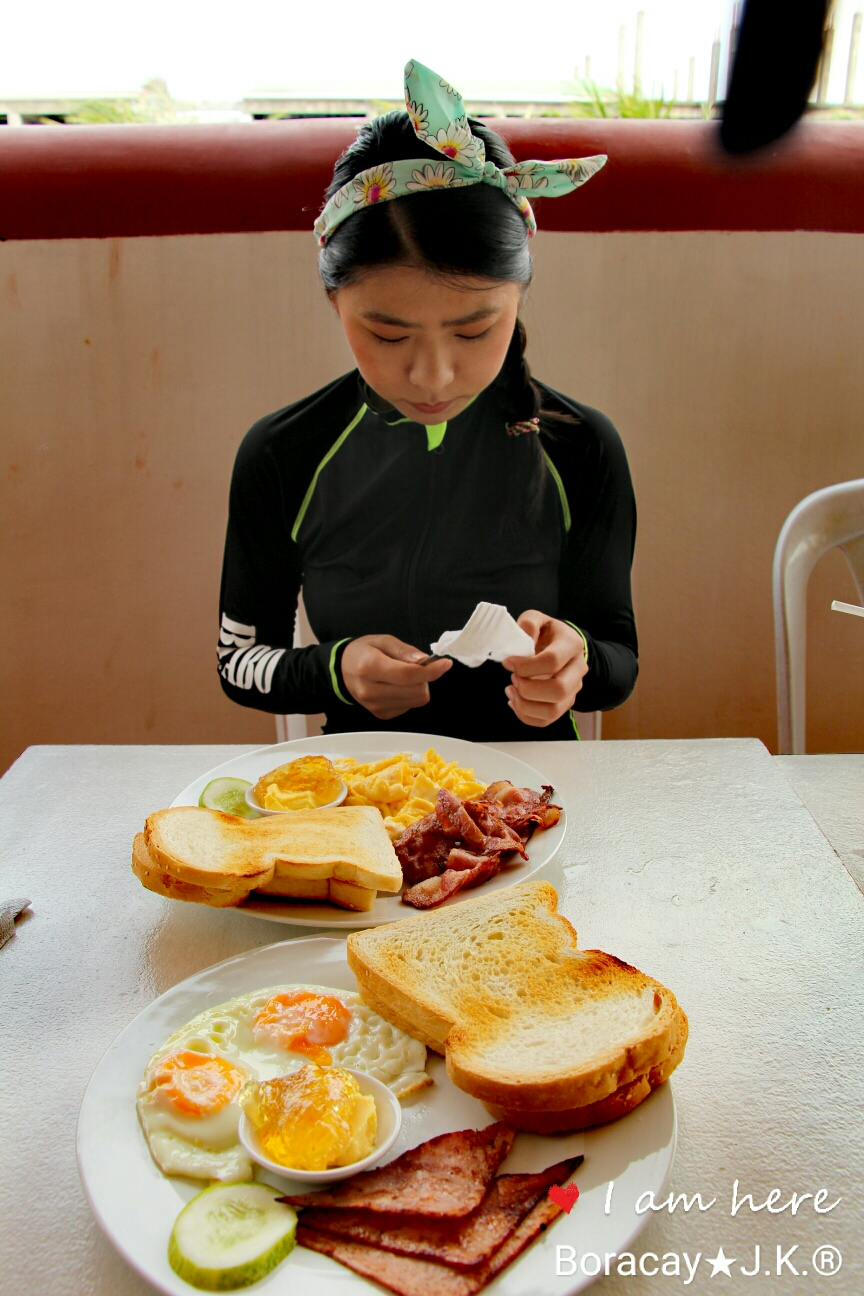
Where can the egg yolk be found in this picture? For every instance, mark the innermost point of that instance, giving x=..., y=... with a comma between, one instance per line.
x=198, y=1084
x=303, y=1022
x=312, y=1119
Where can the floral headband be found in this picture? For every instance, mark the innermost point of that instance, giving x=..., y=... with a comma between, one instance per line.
x=439, y=119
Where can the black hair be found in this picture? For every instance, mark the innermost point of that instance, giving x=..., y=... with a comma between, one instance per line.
x=472, y=231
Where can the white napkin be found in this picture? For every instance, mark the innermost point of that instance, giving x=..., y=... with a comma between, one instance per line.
x=490, y=634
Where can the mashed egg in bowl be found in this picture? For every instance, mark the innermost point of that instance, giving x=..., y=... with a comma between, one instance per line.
x=188, y=1099
x=305, y=783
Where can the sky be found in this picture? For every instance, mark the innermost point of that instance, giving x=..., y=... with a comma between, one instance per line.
x=219, y=50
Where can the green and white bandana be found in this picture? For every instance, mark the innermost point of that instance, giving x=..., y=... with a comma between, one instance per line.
x=439, y=119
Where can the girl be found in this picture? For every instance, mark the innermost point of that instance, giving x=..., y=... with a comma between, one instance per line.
x=438, y=473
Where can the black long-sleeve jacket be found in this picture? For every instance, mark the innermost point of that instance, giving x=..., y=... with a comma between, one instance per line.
x=391, y=527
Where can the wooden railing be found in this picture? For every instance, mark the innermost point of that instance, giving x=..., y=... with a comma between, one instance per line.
x=115, y=181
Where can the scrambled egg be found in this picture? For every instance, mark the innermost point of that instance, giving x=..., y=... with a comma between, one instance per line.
x=404, y=789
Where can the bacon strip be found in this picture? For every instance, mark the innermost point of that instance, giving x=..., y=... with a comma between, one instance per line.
x=445, y=1176
x=410, y=1276
x=434, y=890
x=463, y=859
x=462, y=1243
x=405, y=1275
x=507, y=841
x=422, y=850
x=517, y=807
x=458, y=835
x=535, y=1222
x=455, y=820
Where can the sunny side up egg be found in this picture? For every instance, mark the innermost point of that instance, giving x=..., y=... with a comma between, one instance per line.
x=187, y=1100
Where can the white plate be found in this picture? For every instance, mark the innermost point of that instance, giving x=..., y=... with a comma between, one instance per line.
x=136, y=1204
x=487, y=763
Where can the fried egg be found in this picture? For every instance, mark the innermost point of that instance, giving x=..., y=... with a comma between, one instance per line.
x=187, y=1100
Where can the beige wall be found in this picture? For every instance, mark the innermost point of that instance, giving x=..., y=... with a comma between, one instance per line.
x=129, y=370
x=733, y=365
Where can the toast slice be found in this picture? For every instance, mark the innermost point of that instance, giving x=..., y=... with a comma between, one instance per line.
x=351, y=896
x=346, y=894
x=618, y=1104
x=528, y=1023
x=296, y=888
x=218, y=851
x=155, y=879
x=208, y=848
x=348, y=843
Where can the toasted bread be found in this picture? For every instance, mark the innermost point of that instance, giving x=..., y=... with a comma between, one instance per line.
x=155, y=879
x=618, y=1104
x=349, y=843
x=527, y=1022
x=206, y=848
x=296, y=888
x=346, y=894
x=351, y=896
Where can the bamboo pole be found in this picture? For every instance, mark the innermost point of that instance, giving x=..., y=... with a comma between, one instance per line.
x=622, y=49
x=734, y=32
x=714, y=74
x=825, y=62
x=852, y=66
x=637, y=66
x=691, y=78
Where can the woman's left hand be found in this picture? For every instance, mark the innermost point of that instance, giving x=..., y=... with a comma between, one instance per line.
x=544, y=687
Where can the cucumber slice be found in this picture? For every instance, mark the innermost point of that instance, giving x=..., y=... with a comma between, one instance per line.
x=228, y=795
x=231, y=1235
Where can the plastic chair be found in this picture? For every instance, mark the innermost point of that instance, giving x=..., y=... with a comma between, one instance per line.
x=827, y=519
x=291, y=727
x=590, y=725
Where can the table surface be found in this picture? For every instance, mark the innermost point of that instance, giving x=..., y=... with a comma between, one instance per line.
x=832, y=788
x=694, y=860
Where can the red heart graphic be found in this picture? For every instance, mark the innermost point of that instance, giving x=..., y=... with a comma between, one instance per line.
x=566, y=1198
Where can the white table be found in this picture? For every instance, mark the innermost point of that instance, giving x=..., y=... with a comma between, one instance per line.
x=832, y=788
x=694, y=860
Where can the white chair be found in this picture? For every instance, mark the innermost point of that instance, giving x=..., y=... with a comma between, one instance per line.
x=827, y=519
x=291, y=727
x=589, y=724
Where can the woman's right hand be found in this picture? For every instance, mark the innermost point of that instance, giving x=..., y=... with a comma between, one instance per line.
x=381, y=673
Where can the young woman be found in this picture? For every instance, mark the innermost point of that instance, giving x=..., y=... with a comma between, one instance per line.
x=438, y=473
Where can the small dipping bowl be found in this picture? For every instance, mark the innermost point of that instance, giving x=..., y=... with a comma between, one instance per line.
x=389, y=1125
x=262, y=810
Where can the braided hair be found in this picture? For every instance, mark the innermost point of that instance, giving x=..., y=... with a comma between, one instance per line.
x=470, y=231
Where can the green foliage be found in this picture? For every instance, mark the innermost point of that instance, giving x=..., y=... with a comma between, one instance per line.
x=598, y=103
x=97, y=112
x=153, y=104
x=635, y=106
x=601, y=102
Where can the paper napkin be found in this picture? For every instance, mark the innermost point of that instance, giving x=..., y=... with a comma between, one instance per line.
x=490, y=634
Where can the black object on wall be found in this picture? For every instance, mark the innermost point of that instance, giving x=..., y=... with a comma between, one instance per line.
x=779, y=45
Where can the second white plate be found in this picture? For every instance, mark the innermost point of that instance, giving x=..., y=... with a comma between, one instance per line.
x=136, y=1205
x=487, y=763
